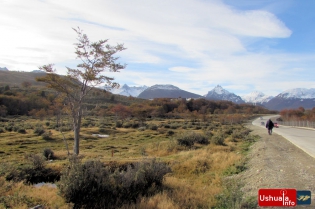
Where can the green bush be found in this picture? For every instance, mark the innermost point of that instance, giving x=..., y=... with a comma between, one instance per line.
x=92, y=185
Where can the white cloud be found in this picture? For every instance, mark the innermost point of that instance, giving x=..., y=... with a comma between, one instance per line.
x=175, y=35
x=181, y=69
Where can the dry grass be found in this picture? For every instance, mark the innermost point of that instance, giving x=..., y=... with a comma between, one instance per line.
x=21, y=196
x=195, y=181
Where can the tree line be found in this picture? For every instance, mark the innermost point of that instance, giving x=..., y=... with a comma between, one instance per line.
x=298, y=114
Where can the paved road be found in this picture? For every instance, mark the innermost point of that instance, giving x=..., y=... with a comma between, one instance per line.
x=300, y=137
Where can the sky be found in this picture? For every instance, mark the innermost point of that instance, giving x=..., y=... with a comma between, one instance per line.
x=243, y=45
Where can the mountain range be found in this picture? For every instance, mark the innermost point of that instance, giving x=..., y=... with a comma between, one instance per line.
x=289, y=99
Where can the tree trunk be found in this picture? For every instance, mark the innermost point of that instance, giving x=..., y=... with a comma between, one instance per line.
x=76, y=130
x=76, y=139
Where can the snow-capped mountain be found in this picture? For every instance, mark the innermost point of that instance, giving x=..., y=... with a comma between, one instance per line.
x=166, y=91
x=256, y=97
x=292, y=99
x=218, y=93
x=302, y=93
x=125, y=90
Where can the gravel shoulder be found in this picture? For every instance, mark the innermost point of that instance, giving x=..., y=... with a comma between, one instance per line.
x=274, y=162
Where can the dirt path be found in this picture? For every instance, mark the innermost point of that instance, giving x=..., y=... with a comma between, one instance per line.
x=277, y=163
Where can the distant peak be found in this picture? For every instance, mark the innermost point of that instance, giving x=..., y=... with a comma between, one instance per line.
x=4, y=69
x=164, y=86
x=219, y=90
x=125, y=86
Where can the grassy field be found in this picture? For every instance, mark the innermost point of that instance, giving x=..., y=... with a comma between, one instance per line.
x=198, y=171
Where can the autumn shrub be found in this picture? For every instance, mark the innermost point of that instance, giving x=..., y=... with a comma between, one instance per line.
x=93, y=185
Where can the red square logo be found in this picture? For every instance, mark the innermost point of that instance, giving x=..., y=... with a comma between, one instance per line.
x=277, y=197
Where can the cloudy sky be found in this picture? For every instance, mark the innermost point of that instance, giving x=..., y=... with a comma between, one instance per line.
x=243, y=45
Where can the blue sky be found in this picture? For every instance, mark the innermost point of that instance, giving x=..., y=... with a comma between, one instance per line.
x=243, y=45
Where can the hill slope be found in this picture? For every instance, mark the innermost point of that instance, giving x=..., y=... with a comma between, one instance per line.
x=15, y=78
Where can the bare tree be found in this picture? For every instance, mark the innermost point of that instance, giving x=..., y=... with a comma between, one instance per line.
x=95, y=58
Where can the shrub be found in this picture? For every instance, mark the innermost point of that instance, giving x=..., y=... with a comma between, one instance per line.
x=39, y=130
x=135, y=125
x=142, y=128
x=127, y=125
x=1, y=130
x=170, y=133
x=47, y=135
x=189, y=138
x=9, y=128
x=102, y=130
x=153, y=127
x=16, y=128
x=231, y=196
x=21, y=130
x=35, y=173
x=218, y=139
x=92, y=185
x=48, y=154
x=37, y=161
x=119, y=124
